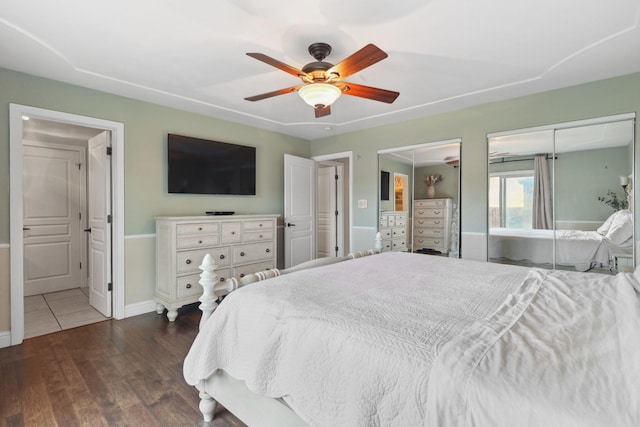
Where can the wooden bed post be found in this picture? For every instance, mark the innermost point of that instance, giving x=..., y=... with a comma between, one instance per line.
x=208, y=281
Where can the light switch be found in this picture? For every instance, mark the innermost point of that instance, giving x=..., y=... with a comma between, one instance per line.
x=362, y=203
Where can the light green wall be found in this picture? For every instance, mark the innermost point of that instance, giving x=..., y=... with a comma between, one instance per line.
x=448, y=187
x=146, y=126
x=392, y=167
x=601, y=98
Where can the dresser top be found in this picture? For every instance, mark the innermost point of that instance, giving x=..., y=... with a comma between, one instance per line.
x=218, y=217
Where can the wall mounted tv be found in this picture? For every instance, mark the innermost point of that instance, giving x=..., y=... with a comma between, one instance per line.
x=200, y=166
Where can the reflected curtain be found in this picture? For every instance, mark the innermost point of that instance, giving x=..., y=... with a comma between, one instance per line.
x=541, y=193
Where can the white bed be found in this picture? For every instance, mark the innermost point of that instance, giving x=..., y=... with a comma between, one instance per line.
x=582, y=250
x=401, y=339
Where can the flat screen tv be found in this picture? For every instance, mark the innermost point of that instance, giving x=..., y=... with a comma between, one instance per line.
x=200, y=166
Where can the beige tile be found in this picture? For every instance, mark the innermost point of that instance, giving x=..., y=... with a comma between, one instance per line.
x=40, y=322
x=63, y=295
x=34, y=303
x=79, y=318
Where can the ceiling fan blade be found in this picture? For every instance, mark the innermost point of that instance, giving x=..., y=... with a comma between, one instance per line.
x=368, y=55
x=322, y=111
x=274, y=93
x=279, y=65
x=376, y=94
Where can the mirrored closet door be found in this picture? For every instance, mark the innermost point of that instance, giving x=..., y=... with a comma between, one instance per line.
x=419, y=198
x=560, y=196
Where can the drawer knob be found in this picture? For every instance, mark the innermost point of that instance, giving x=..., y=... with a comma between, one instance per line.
x=188, y=285
x=436, y=222
x=437, y=242
x=188, y=261
x=436, y=212
x=268, y=250
x=241, y=275
x=241, y=253
x=233, y=232
x=200, y=241
x=221, y=256
x=199, y=228
x=222, y=279
x=260, y=225
x=261, y=236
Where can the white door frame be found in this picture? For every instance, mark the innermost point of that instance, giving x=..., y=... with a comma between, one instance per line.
x=339, y=204
x=335, y=156
x=16, y=112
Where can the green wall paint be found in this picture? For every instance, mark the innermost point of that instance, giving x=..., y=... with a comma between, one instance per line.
x=146, y=126
x=602, y=98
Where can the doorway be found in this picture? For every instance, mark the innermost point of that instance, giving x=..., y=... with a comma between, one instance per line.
x=111, y=274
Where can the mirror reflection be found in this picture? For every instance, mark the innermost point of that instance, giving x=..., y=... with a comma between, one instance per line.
x=419, y=198
x=561, y=197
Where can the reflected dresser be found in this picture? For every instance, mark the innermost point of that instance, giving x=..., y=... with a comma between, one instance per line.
x=432, y=224
x=393, y=230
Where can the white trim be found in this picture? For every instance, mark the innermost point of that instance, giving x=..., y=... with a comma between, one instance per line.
x=5, y=339
x=421, y=145
x=140, y=236
x=4, y=246
x=139, y=308
x=16, y=111
x=566, y=125
x=364, y=227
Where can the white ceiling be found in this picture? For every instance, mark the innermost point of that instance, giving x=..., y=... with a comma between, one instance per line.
x=443, y=54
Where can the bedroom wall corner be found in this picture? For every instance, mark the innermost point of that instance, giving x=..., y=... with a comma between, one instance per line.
x=140, y=268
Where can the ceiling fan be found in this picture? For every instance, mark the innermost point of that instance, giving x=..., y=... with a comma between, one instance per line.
x=322, y=81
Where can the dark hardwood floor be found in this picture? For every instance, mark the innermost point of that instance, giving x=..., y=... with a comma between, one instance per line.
x=113, y=373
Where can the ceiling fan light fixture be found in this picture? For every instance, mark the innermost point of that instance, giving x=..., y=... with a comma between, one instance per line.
x=319, y=94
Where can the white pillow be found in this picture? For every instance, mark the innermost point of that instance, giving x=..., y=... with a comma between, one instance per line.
x=604, y=228
x=621, y=228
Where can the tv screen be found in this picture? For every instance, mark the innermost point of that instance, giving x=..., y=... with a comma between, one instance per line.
x=200, y=166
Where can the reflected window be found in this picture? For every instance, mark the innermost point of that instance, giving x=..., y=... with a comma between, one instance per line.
x=511, y=200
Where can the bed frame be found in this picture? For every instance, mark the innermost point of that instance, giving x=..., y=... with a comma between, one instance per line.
x=251, y=408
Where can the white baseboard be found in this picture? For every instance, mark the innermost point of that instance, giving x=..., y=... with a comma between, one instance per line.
x=138, y=308
x=5, y=339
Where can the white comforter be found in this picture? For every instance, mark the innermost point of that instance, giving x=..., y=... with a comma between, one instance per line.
x=564, y=350
x=349, y=344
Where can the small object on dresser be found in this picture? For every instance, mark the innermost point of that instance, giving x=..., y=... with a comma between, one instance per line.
x=220, y=212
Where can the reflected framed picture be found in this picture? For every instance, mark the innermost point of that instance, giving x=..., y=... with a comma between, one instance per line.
x=384, y=185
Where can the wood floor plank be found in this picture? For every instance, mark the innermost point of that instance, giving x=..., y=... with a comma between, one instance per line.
x=125, y=372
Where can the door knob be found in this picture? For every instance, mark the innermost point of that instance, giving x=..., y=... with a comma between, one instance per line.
x=87, y=230
x=290, y=225
x=25, y=228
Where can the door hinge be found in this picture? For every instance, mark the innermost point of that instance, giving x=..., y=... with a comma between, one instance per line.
x=336, y=177
x=336, y=213
x=108, y=151
x=79, y=166
x=80, y=216
x=80, y=266
x=109, y=219
x=109, y=286
x=337, y=248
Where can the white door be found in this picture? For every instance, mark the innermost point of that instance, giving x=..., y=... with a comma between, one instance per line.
x=327, y=211
x=99, y=184
x=299, y=209
x=52, y=201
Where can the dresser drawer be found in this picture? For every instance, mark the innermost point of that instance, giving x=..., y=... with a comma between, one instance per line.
x=398, y=232
x=400, y=221
x=186, y=242
x=386, y=245
x=188, y=261
x=383, y=222
x=429, y=222
x=430, y=213
x=197, y=228
x=258, y=236
x=429, y=243
x=385, y=233
x=435, y=203
x=231, y=232
x=190, y=285
x=257, y=225
x=398, y=244
x=240, y=272
x=428, y=232
x=243, y=254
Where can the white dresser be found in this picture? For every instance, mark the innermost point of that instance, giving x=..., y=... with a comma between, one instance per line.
x=239, y=245
x=393, y=230
x=432, y=224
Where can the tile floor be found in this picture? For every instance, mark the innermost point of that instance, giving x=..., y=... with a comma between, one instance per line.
x=47, y=313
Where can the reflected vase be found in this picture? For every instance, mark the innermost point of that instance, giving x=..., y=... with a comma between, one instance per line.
x=431, y=191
